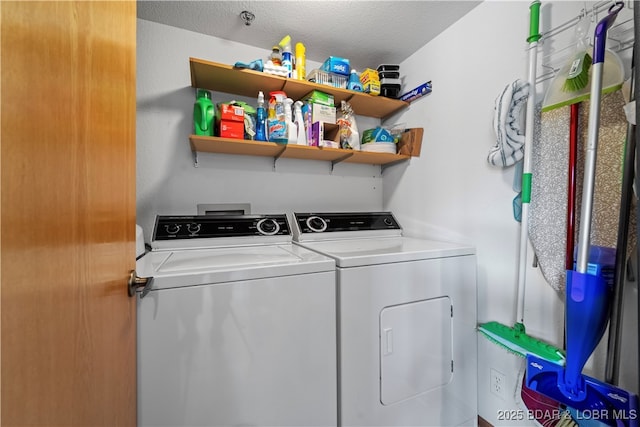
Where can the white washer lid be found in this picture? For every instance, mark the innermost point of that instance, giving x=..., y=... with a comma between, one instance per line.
x=383, y=250
x=190, y=267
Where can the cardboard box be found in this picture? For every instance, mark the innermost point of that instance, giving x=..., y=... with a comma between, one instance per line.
x=371, y=87
x=232, y=113
x=323, y=113
x=411, y=142
x=417, y=92
x=368, y=75
x=318, y=97
x=335, y=64
x=231, y=129
x=322, y=133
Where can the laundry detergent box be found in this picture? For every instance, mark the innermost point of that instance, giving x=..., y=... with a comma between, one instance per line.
x=335, y=64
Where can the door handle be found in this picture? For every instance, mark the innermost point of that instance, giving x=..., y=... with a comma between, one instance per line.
x=135, y=282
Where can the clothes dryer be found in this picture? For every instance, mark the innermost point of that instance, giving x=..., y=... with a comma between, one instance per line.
x=238, y=326
x=406, y=321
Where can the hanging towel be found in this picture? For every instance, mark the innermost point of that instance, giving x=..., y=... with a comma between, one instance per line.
x=509, y=147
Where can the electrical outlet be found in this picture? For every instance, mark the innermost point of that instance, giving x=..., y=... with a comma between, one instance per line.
x=498, y=384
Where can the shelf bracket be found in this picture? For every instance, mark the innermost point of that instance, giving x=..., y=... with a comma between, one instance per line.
x=195, y=158
x=340, y=159
x=277, y=156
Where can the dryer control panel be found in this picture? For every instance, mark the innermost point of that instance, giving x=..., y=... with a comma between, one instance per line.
x=345, y=221
x=213, y=226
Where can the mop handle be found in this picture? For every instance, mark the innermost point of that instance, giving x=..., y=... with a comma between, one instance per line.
x=588, y=184
x=534, y=36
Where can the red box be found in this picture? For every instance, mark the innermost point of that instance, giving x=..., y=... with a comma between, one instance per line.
x=229, y=129
x=230, y=112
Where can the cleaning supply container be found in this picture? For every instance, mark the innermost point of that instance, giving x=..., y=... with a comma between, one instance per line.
x=203, y=113
x=261, y=119
x=301, y=62
x=276, y=121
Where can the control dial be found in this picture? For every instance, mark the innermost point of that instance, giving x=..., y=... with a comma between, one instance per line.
x=316, y=224
x=194, y=227
x=268, y=227
x=388, y=221
x=172, y=228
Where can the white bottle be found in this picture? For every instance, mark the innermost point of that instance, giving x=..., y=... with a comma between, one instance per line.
x=301, y=138
x=292, y=131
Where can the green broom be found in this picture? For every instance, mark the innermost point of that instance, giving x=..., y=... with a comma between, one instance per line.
x=578, y=74
x=515, y=338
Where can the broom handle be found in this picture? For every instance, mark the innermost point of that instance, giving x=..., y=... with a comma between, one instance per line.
x=588, y=184
x=534, y=36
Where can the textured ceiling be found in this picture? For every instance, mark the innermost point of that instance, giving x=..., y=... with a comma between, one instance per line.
x=369, y=33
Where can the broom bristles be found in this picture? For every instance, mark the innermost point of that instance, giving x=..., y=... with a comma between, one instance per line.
x=578, y=76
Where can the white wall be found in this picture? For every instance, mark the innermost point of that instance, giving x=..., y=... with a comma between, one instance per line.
x=167, y=181
x=451, y=191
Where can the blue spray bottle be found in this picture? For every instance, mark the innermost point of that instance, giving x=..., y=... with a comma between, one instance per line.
x=261, y=119
x=287, y=58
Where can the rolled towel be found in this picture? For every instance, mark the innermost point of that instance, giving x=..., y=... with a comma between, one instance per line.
x=506, y=124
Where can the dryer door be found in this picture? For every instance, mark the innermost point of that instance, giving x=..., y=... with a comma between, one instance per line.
x=415, y=348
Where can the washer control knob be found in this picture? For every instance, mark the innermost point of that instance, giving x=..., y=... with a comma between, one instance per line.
x=194, y=227
x=172, y=228
x=268, y=227
x=388, y=221
x=316, y=224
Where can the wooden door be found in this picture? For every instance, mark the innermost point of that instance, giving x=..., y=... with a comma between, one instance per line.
x=67, y=216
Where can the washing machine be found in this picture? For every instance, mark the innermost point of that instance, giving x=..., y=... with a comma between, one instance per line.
x=238, y=326
x=407, y=350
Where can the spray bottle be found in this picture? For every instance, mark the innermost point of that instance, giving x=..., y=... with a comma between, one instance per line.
x=292, y=132
x=276, y=123
x=301, y=72
x=261, y=120
x=301, y=137
x=287, y=60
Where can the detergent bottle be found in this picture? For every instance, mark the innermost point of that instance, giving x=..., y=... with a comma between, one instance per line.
x=261, y=119
x=203, y=113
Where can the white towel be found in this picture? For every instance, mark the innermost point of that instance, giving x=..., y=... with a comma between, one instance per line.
x=509, y=147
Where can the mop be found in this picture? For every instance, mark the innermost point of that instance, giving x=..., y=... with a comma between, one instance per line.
x=588, y=294
x=515, y=339
x=553, y=193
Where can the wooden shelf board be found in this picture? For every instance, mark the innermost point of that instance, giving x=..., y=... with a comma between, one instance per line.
x=315, y=153
x=224, y=78
x=212, y=144
x=380, y=106
x=375, y=158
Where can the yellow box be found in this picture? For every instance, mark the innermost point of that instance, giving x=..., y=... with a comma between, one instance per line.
x=372, y=87
x=368, y=75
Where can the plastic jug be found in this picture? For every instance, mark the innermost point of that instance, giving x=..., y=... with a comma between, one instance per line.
x=203, y=114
